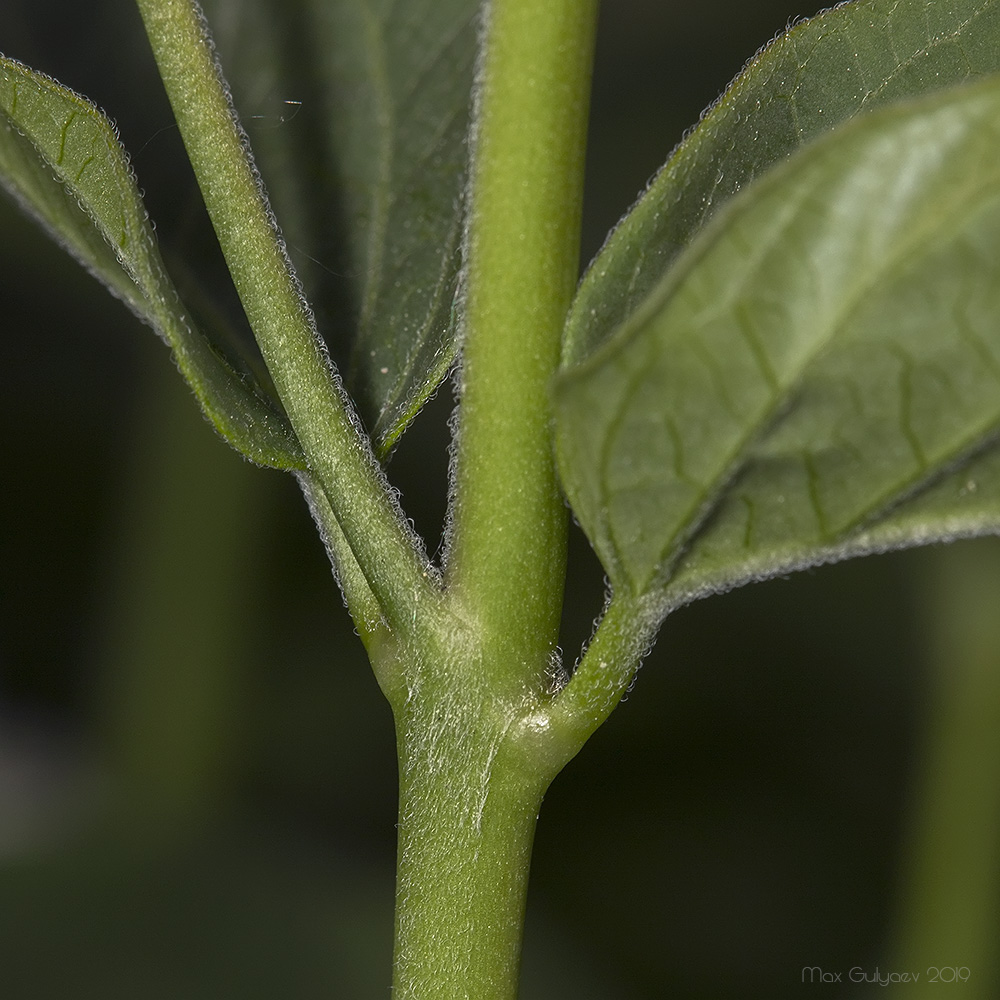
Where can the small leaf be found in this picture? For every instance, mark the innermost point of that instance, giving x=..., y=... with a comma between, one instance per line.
x=367, y=174
x=401, y=77
x=61, y=160
x=854, y=58
x=819, y=374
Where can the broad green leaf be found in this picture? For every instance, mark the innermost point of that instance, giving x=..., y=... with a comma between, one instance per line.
x=819, y=374
x=61, y=160
x=367, y=174
x=856, y=57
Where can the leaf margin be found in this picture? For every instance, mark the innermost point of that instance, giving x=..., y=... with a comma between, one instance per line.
x=898, y=526
x=249, y=421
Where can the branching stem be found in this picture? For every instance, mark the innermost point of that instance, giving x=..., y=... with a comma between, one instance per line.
x=339, y=456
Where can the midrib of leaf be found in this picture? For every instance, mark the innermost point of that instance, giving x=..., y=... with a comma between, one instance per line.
x=893, y=525
x=381, y=201
x=756, y=253
x=784, y=387
x=928, y=470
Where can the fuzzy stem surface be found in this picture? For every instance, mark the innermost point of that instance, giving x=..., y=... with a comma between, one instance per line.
x=339, y=455
x=471, y=780
x=467, y=813
x=507, y=558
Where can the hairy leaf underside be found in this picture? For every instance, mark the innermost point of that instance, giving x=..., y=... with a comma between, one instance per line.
x=61, y=160
x=817, y=376
x=787, y=351
x=849, y=60
x=367, y=170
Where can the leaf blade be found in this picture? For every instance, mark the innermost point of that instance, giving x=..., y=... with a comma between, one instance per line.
x=851, y=59
x=61, y=160
x=385, y=90
x=419, y=59
x=818, y=376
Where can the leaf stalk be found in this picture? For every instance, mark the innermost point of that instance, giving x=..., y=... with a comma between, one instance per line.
x=338, y=454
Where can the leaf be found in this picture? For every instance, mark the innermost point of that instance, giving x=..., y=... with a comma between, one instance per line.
x=401, y=79
x=854, y=58
x=819, y=374
x=61, y=160
x=377, y=148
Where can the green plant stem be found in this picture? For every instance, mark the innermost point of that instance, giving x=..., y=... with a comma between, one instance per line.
x=174, y=658
x=602, y=677
x=470, y=784
x=468, y=808
x=361, y=602
x=338, y=454
x=950, y=883
x=507, y=556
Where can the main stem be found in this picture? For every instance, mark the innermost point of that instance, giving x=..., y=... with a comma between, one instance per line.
x=507, y=559
x=468, y=807
x=470, y=781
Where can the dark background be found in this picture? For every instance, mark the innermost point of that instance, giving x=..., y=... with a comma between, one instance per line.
x=737, y=819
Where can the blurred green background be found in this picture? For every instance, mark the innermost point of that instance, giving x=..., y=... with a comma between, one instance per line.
x=197, y=773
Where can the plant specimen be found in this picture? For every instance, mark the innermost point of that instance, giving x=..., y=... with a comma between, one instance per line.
x=787, y=353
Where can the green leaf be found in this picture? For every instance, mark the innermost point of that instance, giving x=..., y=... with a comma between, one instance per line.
x=819, y=374
x=61, y=160
x=853, y=58
x=374, y=159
